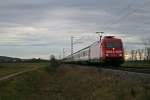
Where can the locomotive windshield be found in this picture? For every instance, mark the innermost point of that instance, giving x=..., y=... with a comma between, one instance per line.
x=113, y=45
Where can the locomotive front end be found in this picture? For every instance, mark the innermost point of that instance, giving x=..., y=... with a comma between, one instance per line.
x=113, y=52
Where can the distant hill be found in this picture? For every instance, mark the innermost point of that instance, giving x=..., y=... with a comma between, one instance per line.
x=9, y=59
x=5, y=59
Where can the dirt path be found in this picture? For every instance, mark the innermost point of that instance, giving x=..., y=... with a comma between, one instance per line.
x=17, y=73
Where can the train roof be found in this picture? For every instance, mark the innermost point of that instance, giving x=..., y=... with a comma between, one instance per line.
x=87, y=47
x=110, y=37
x=82, y=49
x=77, y=51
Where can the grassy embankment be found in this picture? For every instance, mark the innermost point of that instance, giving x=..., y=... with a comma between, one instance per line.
x=10, y=68
x=72, y=83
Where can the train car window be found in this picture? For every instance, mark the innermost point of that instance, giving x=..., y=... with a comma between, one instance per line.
x=78, y=55
x=84, y=53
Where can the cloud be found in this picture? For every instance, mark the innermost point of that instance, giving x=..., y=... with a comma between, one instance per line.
x=48, y=24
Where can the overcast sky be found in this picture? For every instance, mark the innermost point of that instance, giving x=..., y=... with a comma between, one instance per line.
x=39, y=28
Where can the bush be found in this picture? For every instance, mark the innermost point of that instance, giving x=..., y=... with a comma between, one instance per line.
x=54, y=64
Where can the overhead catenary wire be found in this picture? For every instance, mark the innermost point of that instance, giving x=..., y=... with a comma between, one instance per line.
x=130, y=10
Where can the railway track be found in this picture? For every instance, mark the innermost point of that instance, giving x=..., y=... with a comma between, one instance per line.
x=135, y=69
x=128, y=73
x=124, y=73
x=145, y=70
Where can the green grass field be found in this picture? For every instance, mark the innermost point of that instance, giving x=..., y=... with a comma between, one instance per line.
x=72, y=83
x=10, y=68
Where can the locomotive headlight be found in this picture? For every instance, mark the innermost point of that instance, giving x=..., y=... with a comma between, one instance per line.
x=107, y=54
x=113, y=49
x=120, y=55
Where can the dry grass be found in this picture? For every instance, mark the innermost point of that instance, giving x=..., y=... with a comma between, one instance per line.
x=73, y=83
x=10, y=68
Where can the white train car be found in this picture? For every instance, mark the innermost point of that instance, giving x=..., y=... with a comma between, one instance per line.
x=88, y=54
x=82, y=55
x=95, y=52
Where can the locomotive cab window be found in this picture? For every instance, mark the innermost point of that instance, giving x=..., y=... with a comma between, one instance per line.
x=113, y=45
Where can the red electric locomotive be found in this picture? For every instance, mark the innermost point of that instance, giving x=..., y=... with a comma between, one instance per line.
x=112, y=51
x=108, y=51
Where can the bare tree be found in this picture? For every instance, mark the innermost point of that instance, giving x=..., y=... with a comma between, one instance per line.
x=139, y=54
x=148, y=53
x=132, y=55
x=146, y=42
